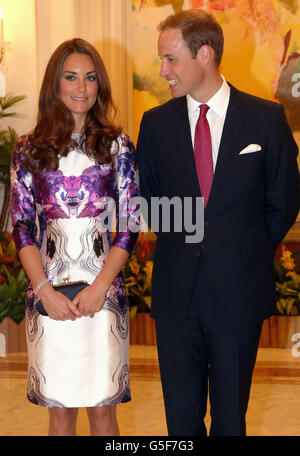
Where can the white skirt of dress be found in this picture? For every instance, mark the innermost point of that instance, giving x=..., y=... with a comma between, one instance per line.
x=81, y=363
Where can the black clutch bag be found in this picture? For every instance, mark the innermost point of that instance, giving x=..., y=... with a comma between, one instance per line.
x=69, y=289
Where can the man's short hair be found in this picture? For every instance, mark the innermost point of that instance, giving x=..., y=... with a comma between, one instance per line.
x=198, y=28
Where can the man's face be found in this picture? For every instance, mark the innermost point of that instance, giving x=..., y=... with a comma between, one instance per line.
x=184, y=74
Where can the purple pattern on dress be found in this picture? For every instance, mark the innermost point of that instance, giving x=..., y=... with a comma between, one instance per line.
x=62, y=197
x=53, y=196
x=22, y=202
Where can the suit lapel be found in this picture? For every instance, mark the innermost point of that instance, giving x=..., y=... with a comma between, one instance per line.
x=229, y=136
x=183, y=135
x=230, y=133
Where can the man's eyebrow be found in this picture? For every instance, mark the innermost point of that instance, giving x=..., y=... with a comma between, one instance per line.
x=165, y=55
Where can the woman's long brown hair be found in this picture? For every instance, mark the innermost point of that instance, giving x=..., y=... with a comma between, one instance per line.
x=51, y=137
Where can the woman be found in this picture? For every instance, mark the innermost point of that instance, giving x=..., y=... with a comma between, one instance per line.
x=64, y=176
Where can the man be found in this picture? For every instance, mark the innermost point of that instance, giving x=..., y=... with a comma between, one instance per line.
x=209, y=298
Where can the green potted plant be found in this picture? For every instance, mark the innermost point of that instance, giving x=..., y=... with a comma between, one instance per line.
x=138, y=272
x=287, y=283
x=138, y=285
x=8, y=138
x=12, y=276
x=13, y=281
x=279, y=329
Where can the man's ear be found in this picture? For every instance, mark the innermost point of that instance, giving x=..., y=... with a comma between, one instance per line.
x=205, y=54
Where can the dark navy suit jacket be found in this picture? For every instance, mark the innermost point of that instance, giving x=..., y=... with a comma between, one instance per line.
x=253, y=202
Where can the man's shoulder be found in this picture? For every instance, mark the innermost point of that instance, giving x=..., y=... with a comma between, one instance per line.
x=169, y=107
x=254, y=102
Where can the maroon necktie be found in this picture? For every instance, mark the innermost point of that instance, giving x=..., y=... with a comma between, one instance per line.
x=203, y=153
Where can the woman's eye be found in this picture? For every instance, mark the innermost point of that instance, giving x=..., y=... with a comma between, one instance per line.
x=70, y=78
x=92, y=78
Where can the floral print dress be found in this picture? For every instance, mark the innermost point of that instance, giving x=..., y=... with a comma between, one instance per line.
x=81, y=363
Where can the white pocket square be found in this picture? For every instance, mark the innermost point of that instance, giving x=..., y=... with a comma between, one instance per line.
x=251, y=148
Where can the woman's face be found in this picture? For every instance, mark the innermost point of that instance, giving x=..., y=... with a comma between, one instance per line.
x=79, y=87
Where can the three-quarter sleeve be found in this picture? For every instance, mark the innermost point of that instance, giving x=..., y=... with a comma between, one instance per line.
x=22, y=202
x=127, y=195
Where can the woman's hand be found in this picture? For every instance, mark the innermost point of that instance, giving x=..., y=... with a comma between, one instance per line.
x=90, y=300
x=57, y=305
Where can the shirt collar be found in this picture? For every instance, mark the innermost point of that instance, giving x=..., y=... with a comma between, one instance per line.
x=218, y=102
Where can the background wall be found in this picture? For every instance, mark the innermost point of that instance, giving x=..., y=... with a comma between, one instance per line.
x=262, y=50
x=21, y=60
x=34, y=28
x=261, y=53
x=262, y=44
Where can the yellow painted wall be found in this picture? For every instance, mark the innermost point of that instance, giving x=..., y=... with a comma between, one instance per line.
x=254, y=34
x=21, y=60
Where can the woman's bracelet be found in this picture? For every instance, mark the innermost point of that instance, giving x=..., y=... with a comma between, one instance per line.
x=40, y=285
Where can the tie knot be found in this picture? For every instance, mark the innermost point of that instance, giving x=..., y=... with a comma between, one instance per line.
x=203, y=110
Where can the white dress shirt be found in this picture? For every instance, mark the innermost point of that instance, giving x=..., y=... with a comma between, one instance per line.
x=218, y=104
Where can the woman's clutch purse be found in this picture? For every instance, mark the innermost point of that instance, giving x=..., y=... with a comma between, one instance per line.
x=69, y=289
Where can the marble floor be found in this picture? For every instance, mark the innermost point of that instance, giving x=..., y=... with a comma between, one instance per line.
x=274, y=407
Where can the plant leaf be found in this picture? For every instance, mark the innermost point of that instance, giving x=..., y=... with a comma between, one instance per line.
x=132, y=311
